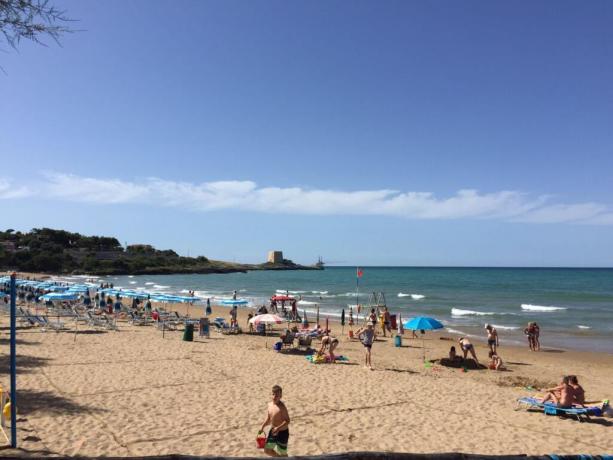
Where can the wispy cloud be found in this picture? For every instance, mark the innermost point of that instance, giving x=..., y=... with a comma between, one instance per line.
x=8, y=190
x=247, y=195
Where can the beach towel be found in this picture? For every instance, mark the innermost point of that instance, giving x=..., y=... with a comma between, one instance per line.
x=325, y=359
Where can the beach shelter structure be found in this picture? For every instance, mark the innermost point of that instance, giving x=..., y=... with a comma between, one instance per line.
x=423, y=323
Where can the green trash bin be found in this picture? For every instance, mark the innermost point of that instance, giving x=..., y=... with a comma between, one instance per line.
x=188, y=333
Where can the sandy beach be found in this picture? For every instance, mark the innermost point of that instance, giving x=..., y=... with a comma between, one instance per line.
x=136, y=392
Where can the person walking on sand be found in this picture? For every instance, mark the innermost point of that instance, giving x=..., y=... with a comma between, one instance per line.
x=492, y=337
x=468, y=347
x=277, y=417
x=367, y=336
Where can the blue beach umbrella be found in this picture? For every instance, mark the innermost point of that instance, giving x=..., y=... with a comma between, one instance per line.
x=423, y=323
x=60, y=296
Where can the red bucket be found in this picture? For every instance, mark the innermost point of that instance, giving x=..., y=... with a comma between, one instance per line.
x=261, y=440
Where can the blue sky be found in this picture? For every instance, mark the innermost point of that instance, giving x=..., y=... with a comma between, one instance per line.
x=370, y=133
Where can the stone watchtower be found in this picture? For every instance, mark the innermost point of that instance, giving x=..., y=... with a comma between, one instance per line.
x=275, y=257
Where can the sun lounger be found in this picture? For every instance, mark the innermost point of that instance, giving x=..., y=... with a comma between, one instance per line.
x=550, y=408
x=101, y=321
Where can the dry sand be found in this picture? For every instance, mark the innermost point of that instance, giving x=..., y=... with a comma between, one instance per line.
x=134, y=392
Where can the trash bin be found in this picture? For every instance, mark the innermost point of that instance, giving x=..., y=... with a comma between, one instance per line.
x=398, y=341
x=188, y=333
x=393, y=323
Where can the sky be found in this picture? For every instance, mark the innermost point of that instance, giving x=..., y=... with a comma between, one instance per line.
x=469, y=133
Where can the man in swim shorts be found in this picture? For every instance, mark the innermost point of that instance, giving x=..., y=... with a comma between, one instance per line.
x=278, y=417
x=492, y=337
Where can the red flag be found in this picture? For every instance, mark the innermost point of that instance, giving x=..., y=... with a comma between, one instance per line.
x=359, y=272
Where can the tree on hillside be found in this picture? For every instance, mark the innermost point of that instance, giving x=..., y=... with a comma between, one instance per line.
x=31, y=20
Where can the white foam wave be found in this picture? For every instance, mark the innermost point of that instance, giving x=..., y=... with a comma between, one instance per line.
x=160, y=286
x=529, y=307
x=460, y=312
x=412, y=296
x=149, y=283
x=130, y=276
x=581, y=326
x=506, y=328
x=454, y=331
x=133, y=282
x=319, y=292
x=306, y=302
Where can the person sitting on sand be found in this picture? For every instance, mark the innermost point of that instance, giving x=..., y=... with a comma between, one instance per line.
x=277, y=417
x=562, y=395
x=327, y=341
x=452, y=354
x=578, y=391
x=249, y=323
x=495, y=362
x=468, y=347
x=492, y=337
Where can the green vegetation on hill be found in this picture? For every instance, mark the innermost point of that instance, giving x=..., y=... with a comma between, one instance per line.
x=57, y=251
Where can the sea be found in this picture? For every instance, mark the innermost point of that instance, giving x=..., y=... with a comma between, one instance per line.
x=573, y=306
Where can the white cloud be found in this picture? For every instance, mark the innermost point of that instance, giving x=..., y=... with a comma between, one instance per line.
x=8, y=190
x=505, y=205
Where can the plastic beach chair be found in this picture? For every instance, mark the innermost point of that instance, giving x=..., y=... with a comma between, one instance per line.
x=550, y=408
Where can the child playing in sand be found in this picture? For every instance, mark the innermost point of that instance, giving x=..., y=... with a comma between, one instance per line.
x=495, y=362
x=277, y=417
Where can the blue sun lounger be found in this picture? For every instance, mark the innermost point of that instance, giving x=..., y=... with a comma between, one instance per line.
x=549, y=408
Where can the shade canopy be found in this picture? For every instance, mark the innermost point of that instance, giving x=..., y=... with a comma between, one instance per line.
x=59, y=296
x=278, y=298
x=423, y=323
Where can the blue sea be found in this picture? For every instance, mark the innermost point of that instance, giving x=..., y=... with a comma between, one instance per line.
x=573, y=306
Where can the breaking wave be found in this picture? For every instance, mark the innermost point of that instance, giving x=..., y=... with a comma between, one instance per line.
x=529, y=307
x=460, y=312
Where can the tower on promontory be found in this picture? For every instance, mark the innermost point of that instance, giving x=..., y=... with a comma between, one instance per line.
x=275, y=257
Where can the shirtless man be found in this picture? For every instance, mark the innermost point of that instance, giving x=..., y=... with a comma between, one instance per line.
x=278, y=418
x=563, y=395
x=466, y=347
x=492, y=337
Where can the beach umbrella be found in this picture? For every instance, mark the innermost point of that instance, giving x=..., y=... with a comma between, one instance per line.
x=266, y=319
x=400, y=327
x=317, y=320
x=59, y=296
x=423, y=323
x=343, y=321
x=350, y=316
x=327, y=327
x=305, y=322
